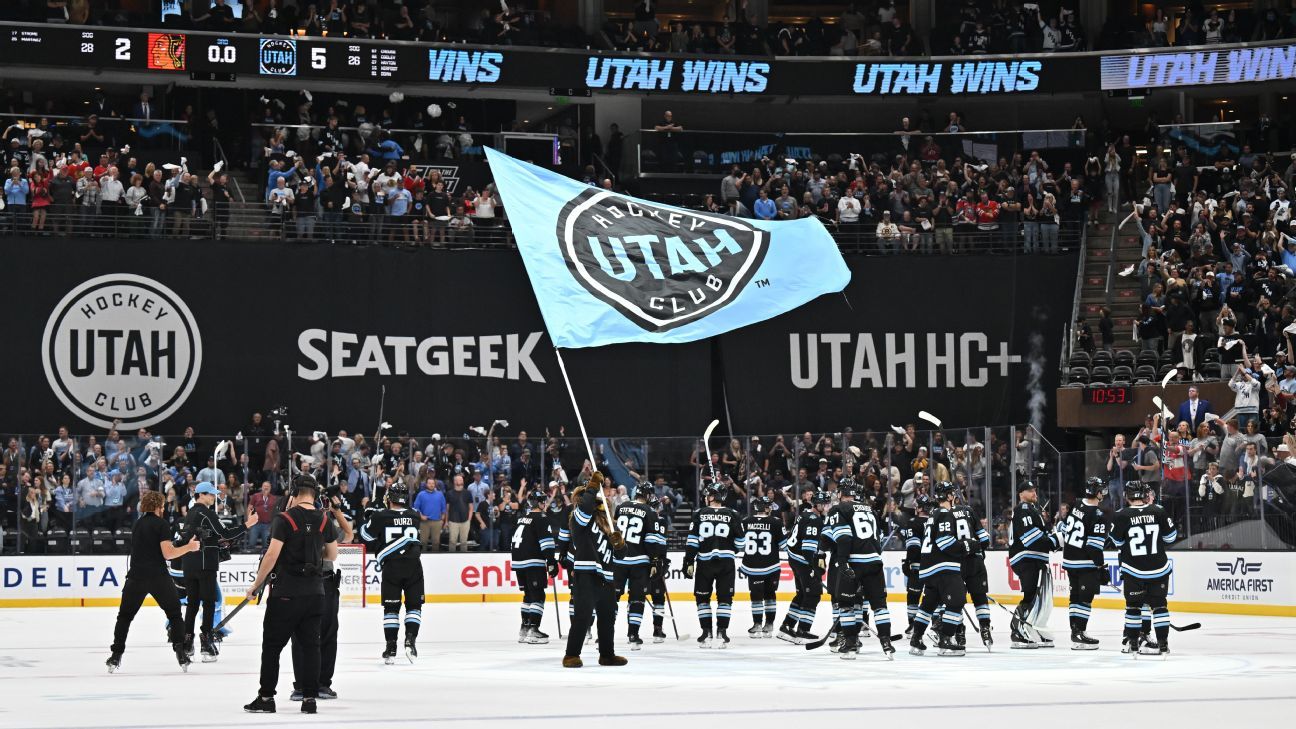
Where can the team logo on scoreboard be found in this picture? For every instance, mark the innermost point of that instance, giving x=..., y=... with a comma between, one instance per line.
x=278, y=57
x=661, y=267
x=122, y=346
x=166, y=51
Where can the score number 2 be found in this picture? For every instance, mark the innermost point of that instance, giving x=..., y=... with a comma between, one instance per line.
x=122, y=51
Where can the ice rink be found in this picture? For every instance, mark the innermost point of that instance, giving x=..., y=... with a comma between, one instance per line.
x=472, y=672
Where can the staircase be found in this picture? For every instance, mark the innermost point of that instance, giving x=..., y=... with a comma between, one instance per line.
x=1126, y=292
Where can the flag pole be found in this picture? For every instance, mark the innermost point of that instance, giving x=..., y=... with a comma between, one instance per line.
x=580, y=422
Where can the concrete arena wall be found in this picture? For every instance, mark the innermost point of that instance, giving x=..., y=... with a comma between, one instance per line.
x=1249, y=583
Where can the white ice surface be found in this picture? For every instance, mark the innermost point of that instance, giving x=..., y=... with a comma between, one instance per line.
x=1235, y=671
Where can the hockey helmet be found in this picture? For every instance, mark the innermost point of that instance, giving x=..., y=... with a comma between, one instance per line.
x=398, y=493
x=1094, y=487
x=717, y=491
x=1137, y=491
x=847, y=487
x=821, y=498
x=925, y=503
x=536, y=499
x=760, y=504
x=944, y=491
x=645, y=491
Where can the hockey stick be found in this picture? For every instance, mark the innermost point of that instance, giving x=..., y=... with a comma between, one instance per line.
x=1185, y=628
x=671, y=609
x=706, y=443
x=557, y=612
x=246, y=599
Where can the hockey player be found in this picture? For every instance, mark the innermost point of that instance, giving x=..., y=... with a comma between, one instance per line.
x=1142, y=531
x=712, y=540
x=912, y=533
x=975, y=577
x=1028, y=555
x=593, y=543
x=943, y=550
x=533, y=563
x=803, y=558
x=392, y=533
x=637, y=523
x=761, y=542
x=1084, y=534
x=659, y=569
x=852, y=528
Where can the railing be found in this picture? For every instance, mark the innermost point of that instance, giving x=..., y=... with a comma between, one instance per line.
x=369, y=226
x=76, y=513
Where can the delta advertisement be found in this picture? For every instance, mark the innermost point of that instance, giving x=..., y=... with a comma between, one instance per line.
x=1252, y=583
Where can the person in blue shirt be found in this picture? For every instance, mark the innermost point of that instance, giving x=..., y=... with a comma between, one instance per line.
x=765, y=209
x=398, y=205
x=387, y=149
x=431, y=506
x=16, y=193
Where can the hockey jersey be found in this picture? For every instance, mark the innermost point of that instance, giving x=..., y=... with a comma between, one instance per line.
x=761, y=541
x=392, y=534
x=1084, y=534
x=852, y=527
x=533, y=543
x=638, y=526
x=591, y=550
x=803, y=544
x=967, y=523
x=942, y=548
x=1142, y=533
x=1029, y=541
x=912, y=534
x=713, y=534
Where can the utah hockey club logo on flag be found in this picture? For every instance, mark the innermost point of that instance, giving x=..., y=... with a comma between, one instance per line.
x=661, y=267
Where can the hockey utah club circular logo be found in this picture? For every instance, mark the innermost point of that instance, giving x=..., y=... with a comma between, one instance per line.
x=122, y=346
x=661, y=267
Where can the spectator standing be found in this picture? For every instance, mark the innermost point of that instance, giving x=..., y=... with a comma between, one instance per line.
x=1193, y=410
x=459, y=514
x=431, y=506
x=1246, y=403
x=262, y=503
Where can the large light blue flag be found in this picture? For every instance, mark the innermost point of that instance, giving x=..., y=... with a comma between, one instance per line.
x=610, y=268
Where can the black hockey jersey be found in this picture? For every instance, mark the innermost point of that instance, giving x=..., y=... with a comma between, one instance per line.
x=1142, y=534
x=1029, y=541
x=967, y=526
x=803, y=544
x=392, y=534
x=591, y=550
x=761, y=541
x=942, y=547
x=912, y=534
x=713, y=534
x=852, y=527
x=533, y=543
x=1084, y=534
x=638, y=526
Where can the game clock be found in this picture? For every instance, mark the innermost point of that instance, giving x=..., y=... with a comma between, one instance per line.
x=1109, y=395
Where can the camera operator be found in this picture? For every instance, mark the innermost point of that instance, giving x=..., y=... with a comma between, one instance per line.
x=332, y=579
x=303, y=542
x=200, y=567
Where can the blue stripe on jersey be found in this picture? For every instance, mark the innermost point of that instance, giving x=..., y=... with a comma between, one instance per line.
x=758, y=572
x=547, y=544
x=865, y=558
x=364, y=533
x=782, y=544
x=938, y=568
x=1072, y=564
x=944, y=542
x=1028, y=554
x=1118, y=542
x=395, y=546
x=693, y=541
x=1029, y=537
x=1095, y=542
x=912, y=542
x=655, y=539
x=581, y=517
x=638, y=559
x=716, y=554
x=810, y=547
x=1145, y=575
x=982, y=536
x=797, y=558
x=1171, y=536
x=528, y=563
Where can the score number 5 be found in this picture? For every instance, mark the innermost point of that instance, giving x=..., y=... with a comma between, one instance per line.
x=318, y=60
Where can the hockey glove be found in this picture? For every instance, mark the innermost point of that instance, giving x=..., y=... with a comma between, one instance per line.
x=688, y=570
x=618, y=541
x=1104, y=575
x=552, y=568
x=821, y=563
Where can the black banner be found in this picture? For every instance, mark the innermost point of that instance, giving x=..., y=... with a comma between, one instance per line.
x=137, y=332
x=973, y=340
x=132, y=332
x=172, y=52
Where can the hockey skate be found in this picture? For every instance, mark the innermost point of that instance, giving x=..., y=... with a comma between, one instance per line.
x=535, y=637
x=389, y=653
x=114, y=662
x=888, y=650
x=411, y=652
x=1129, y=645
x=909, y=631
x=182, y=657
x=1082, y=642
x=849, y=649
x=636, y=643
x=308, y=706
x=865, y=631
x=1019, y=638
x=986, y=636
x=949, y=647
x=659, y=635
x=1149, y=647
x=960, y=638
x=768, y=630
x=523, y=633
x=756, y=631
x=836, y=642
x=704, y=640
x=917, y=647
x=787, y=634
x=189, y=645
x=207, y=648
x=804, y=636
x=722, y=639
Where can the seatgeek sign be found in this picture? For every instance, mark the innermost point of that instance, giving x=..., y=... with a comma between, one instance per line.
x=1258, y=583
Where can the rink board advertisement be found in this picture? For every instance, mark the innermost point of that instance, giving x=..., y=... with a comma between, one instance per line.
x=124, y=332
x=1251, y=583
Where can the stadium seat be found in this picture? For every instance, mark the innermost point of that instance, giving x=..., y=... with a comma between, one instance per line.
x=1210, y=370
x=1122, y=374
x=1077, y=375
x=1102, y=357
x=1080, y=359
x=1124, y=358
x=56, y=541
x=1147, y=357
x=79, y=541
x=1211, y=355
x=1145, y=373
x=1101, y=373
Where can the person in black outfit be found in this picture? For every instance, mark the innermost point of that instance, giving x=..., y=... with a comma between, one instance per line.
x=200, y=566
x=302, y=542
x=593, y=542
x=332, y=579
x=151, y=546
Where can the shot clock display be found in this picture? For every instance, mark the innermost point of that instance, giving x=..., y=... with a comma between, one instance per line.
x=1109, y=395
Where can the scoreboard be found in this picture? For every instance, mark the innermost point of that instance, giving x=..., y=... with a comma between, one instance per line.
x=209, y=53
